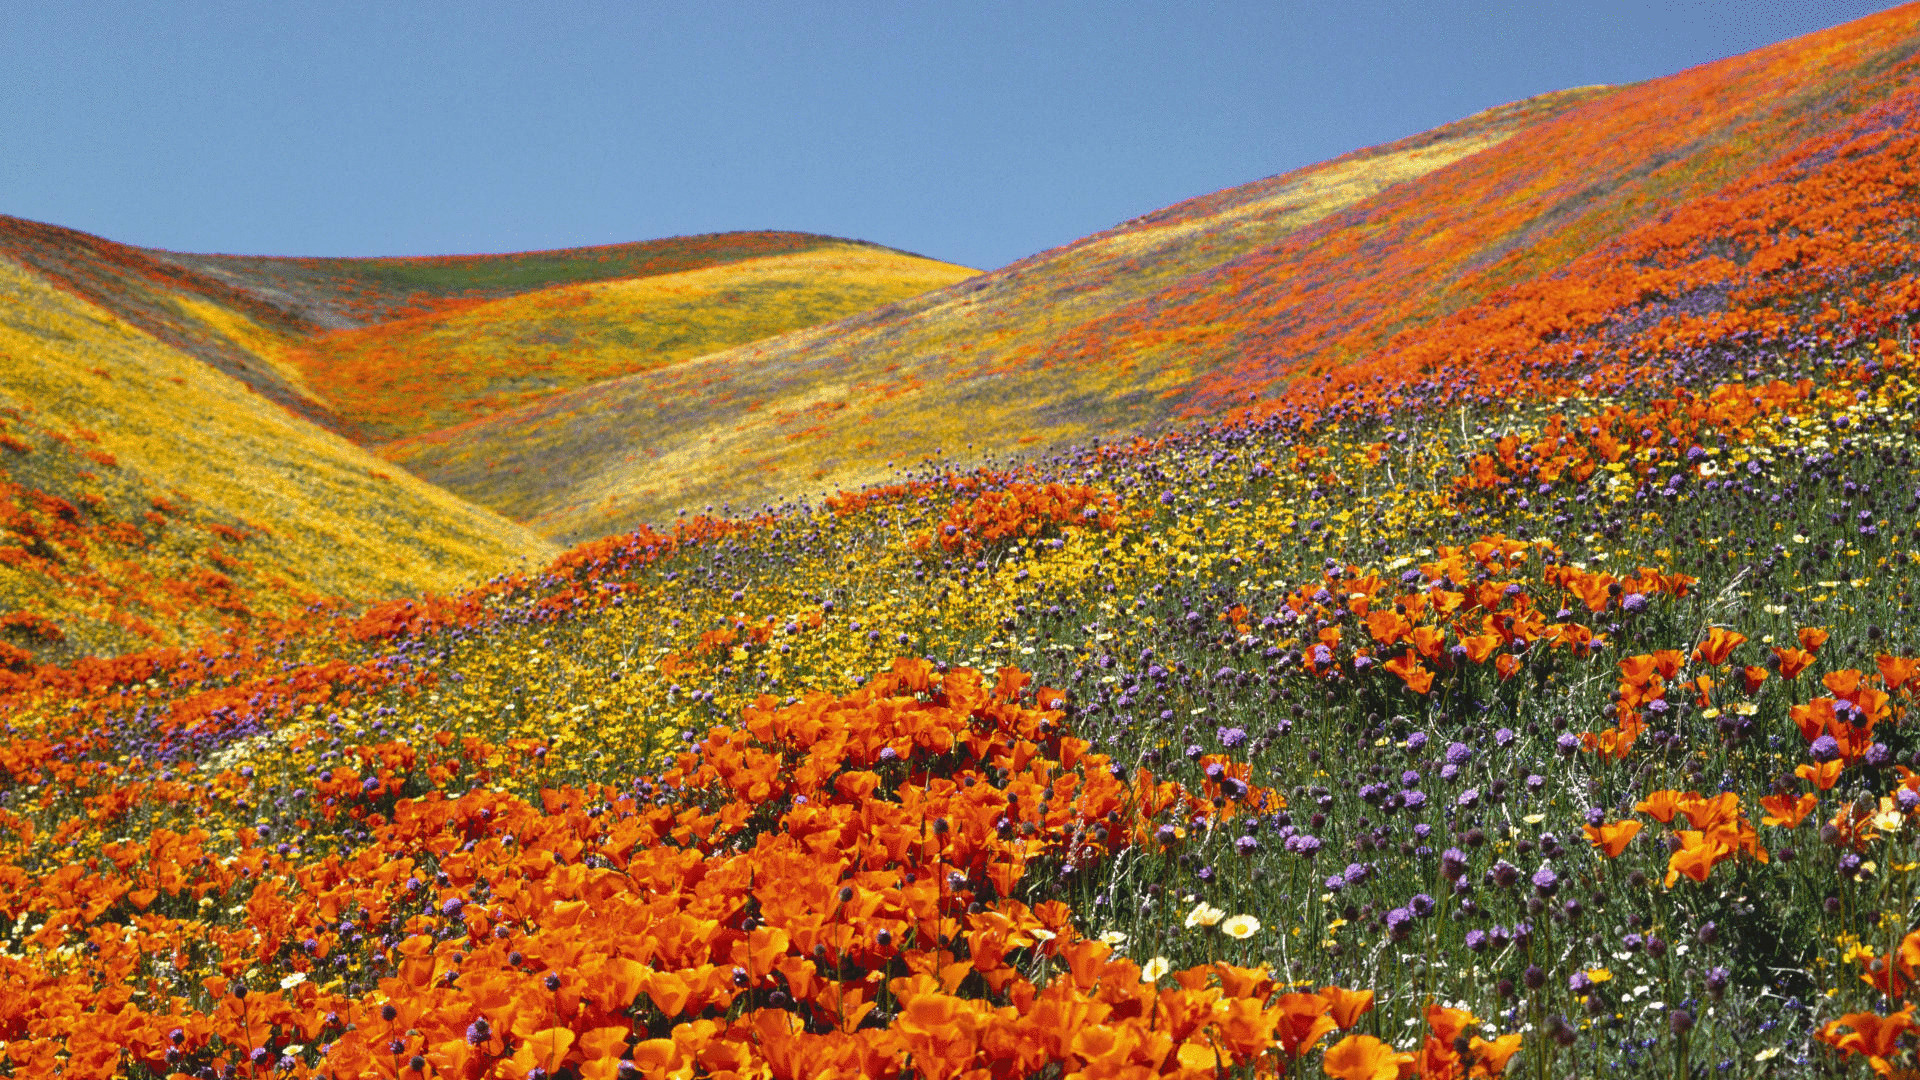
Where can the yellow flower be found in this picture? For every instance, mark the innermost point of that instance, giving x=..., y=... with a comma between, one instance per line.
x=1241, y=927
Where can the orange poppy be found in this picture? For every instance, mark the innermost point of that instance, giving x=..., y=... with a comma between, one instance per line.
x=1363, y=1057
x=1612, y=838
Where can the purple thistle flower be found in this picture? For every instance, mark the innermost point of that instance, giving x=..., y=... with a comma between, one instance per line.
x=1545, y=881
x=1458, y=753
x=1824, y=749
x=1453, y=864
x=1476, y=941
x=1231, y=737
x=1399, y=923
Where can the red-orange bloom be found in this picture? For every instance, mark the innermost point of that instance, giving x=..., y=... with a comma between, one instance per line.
x=1612, y=838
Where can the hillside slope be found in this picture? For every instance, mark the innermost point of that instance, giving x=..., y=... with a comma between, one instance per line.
x=800, y=412
x=1171, y=316
x=148, y=497
x=410, y=376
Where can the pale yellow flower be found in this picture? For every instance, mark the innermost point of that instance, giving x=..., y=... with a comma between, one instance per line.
x=1241, y=927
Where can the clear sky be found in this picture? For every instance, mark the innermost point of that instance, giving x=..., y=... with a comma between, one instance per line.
x=973, y=132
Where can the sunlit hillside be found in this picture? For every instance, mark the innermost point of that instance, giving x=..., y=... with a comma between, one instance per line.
x=409, y=376
x=1188, y=312
x=1525, y=695
x=150, y=498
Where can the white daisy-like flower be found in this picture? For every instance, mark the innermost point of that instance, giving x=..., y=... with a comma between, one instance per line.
x=1156, y=967
x=1240, y=927
x=1204, y=914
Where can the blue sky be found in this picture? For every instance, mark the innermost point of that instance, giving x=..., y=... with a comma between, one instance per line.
x=972, y=132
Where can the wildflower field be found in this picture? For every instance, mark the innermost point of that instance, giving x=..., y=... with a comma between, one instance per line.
x=1520, y=692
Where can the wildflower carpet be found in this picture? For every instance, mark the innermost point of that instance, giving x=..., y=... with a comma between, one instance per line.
x=1524, y=694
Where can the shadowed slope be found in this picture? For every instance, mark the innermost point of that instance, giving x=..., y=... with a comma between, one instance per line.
x=414, y=375
x=787, y=416
x=147, y=497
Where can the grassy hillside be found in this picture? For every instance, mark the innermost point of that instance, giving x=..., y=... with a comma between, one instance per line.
x=150, y=498
x=1302, y=277
x=409, y=376
x=797, y=414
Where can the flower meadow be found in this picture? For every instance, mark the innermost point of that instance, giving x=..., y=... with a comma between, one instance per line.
x=1525, y=694
x=1258, y=749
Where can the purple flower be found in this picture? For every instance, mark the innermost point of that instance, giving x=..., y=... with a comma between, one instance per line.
x=1504, y=874
x=478, y=1032
x=1335, y=883
x=1453, y=864
x=1409, y=778
x=1414, y=800
x=1633, y=603
x=1246, y=845
x=1476, y=941
x=1399, y=923
x=1304, y=845
x=1322, y=655
x=1416, y=742
x=1458, y=753
x=1469, y=798
x=1503, y=736
x=1535, y=781
x=1567, y=743
x=1545, y=881
x=1906, y=799
x=1579, y=983
x=1356, y=873
x=1422, y=905
x=1824, y=748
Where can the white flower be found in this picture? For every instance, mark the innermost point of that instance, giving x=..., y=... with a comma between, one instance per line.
x=1113, y=938
x=1204, y=914
x=293, y=980
x=1155, y=968
x=1241, y=927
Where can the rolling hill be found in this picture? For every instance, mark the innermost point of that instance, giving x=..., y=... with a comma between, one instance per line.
x=416, y=375
x=150, y=498
x=1183, y=313
x=183, y=427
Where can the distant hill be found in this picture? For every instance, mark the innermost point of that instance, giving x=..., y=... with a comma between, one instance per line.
x=146, y=497
x=1191, y=311
x=413, y=375
x=180, y=429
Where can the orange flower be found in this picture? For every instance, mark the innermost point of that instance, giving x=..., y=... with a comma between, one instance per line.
x=1792, y=661
x=1613, y=838
x=1303, y=1022
x=1875, y=1036
x=1699, y=853
x=1661, y=805
x=1788, y=812
x=1363, y=1057
x=1896, y=671
x=1811, y=638
x=1751, y=677
x=1822, y=776
x=1408, y=667
x=1347, y=1006
x=1719, y=645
